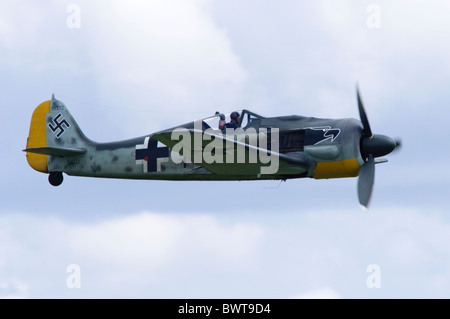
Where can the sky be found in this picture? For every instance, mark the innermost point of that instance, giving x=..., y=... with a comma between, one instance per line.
x=130, y=68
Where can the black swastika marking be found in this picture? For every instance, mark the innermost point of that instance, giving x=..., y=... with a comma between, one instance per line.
x=58, y=125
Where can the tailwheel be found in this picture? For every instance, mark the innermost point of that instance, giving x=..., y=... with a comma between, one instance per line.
x=55, y=178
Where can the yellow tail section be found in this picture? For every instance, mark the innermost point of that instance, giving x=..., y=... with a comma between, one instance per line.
x=38, y=137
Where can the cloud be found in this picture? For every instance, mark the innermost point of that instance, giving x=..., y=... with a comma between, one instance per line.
x=12, y=288
x=138, y=64
x=324, y=293
x=152, y=241
x=162, y=255
x=121, y=256
x=168, y=58
x=173, y=46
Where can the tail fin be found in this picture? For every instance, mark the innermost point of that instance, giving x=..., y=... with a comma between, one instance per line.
x=53, y=131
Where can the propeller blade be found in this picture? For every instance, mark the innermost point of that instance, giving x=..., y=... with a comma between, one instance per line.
x=366, y=181
x=367, y=132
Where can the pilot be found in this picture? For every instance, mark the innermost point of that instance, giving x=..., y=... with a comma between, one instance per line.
x=235, y=120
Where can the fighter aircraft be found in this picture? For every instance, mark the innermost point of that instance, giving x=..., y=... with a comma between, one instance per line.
x=239, y=145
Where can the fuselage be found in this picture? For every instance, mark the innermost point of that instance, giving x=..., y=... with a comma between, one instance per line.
x=307, y=147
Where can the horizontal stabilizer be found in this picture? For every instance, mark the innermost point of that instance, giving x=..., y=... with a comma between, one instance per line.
x=56, y=151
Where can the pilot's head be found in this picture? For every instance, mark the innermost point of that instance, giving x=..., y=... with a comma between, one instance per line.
x=235, y=117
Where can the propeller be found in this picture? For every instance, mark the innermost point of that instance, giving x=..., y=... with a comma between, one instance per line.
x=365, y=181
x=367, y=131
x=372, y=146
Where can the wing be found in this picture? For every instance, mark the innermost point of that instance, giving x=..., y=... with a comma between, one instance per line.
x=229, y=154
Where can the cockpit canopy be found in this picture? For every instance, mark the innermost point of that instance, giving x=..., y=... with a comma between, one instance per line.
x=235, y=119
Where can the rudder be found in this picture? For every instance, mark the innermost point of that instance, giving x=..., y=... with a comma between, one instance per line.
x=37, y=137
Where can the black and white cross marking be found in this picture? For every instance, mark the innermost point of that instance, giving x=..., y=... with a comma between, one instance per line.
x=58, y=125
x=150, y=155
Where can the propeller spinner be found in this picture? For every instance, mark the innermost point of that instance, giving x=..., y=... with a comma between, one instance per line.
x=372, y=146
